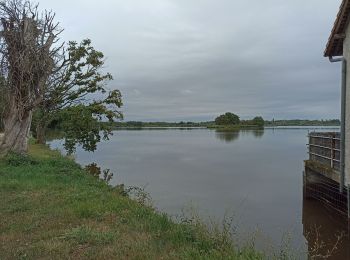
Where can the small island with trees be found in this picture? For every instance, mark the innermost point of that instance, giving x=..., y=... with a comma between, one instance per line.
x=230, y=121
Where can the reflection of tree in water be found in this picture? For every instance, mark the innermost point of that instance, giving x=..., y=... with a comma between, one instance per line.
x=258, y=133
x=231, y=136
x=52, y=135
x=326, y=233
x=227, y=136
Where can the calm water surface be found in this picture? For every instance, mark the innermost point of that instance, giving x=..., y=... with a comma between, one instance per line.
x=256, y=176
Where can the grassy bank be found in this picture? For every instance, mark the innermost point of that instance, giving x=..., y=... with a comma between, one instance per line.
x=52, y=209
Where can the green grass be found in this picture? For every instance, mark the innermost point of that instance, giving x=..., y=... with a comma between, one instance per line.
x=52, y=209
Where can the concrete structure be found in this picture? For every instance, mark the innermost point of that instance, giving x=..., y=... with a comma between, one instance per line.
x=327, y=172
x=322, y=179
x=338, y=49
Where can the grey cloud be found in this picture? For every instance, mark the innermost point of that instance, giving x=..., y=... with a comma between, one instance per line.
x=190, y=60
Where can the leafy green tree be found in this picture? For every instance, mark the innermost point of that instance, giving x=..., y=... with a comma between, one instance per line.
x=81, y=125
x=46, y=82
x=77, y=97
x=227, y=119
x=258, y=121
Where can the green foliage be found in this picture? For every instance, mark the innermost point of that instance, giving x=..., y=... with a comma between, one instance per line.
x=81, y=126
x=303, y=122
x=16, y=160
x=96, y=171
x=211, y=124
x=227, y=119
x=139, y=124
x=77, y=99
x=86, y=235
x=138, y=194
x=93, y=169
x=258, y=121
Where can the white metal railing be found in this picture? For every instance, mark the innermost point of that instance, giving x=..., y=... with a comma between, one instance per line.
x=323, y=148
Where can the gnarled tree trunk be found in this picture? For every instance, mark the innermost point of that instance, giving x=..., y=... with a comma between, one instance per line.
x=16, y=134
x=28, y=58
x=40, y=133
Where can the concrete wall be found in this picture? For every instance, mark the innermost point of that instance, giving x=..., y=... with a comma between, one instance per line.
x=347, y=121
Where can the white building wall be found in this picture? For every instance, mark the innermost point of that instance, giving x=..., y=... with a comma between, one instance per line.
x=346, y=52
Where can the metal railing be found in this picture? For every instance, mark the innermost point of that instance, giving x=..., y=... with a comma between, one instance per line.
x=325, y=149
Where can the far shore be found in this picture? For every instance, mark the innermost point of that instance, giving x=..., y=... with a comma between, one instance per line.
x=236, y=128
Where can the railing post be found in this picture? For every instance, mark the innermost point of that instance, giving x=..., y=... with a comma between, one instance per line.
x=348, y=191
x=332, y=152
x=311, y=142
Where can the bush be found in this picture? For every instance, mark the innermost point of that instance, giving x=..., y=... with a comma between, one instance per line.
x=16, y=160
x=105, y=175
x=227, y=119
x=258, y=121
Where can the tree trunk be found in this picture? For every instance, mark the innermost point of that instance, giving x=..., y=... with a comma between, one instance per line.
x=41, y=133
x=16, y=134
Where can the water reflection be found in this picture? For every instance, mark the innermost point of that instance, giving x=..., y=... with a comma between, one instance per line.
x=227, y=136
x=322, y=229
x=231, y=136
x=258, y=133
x=257, y=174
x=52, y=135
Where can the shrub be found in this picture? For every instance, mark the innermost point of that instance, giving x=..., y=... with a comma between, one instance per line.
x=227, y=119
x=258, y=121
x=16, y=160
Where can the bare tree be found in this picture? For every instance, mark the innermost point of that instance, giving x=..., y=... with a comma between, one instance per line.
x=29, y=53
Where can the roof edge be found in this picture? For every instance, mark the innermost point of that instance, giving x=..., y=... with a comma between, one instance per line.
x=336, y=39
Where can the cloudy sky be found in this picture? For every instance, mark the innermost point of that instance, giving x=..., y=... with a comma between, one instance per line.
x=194, y=59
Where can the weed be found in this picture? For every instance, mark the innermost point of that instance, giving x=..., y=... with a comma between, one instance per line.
x=105, y=175
x=87, y=235
x=139, y=194
x=14, y=159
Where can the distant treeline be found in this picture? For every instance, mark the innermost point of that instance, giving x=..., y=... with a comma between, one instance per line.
x=139, y=124
x=300, y=122
x=296, y=122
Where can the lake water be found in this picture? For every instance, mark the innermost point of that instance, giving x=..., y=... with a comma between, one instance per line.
x=253, y=175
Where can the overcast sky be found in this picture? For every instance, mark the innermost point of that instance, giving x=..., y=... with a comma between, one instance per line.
x=194, y=59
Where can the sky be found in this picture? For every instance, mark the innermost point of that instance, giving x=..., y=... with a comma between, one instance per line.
x=191, y=60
